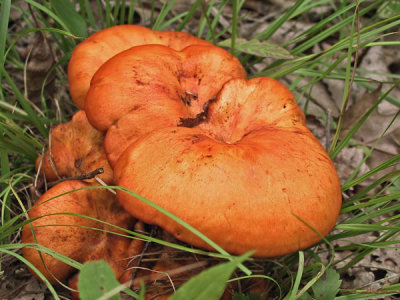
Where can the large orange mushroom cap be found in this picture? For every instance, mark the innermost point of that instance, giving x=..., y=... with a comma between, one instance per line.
x=57, y=226
x=250, y=177
x=76, y=148
x=88, y=56
x=152, y=86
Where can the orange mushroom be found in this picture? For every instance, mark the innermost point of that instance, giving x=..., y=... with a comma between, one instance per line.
x=249, y=175
x=57, y=226
x=76, y=148
x=153, y=86
x=88, y=56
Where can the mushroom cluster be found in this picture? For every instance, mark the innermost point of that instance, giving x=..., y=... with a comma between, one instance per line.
x=173, y=118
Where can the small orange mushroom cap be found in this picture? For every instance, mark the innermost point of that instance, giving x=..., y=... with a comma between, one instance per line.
x=76, y=148
x=88, y=56
x=77, y=237
x=250, y=177
x=152, y=86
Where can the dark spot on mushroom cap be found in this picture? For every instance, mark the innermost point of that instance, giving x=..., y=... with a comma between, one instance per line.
x=78, y=162
x=139, y=82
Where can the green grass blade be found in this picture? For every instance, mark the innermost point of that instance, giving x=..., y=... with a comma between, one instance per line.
x=72, y=20
x=37, y=122
x=189, y=15
x=168, y=5
x=131, y=12
x=296, y=285
x=32, y=267
x=90, y=15
x=4, y=17
x=274, y=26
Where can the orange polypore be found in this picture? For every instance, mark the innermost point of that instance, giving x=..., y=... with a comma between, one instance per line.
x=250, y=177
x=76, y=148
x=88, y=56
x=150, y=87
x=60, y=225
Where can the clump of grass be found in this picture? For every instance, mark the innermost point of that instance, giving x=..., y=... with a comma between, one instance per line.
x=368, y=207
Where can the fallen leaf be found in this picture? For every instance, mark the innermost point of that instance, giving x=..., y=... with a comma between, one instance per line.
x=355, y=112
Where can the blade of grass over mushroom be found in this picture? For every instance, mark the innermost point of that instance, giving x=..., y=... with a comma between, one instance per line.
x=63, y=258
x=180, y=222
x=127, y=232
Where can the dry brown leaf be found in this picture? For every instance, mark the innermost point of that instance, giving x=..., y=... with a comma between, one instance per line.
x=39, y=64
x=355, y=112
